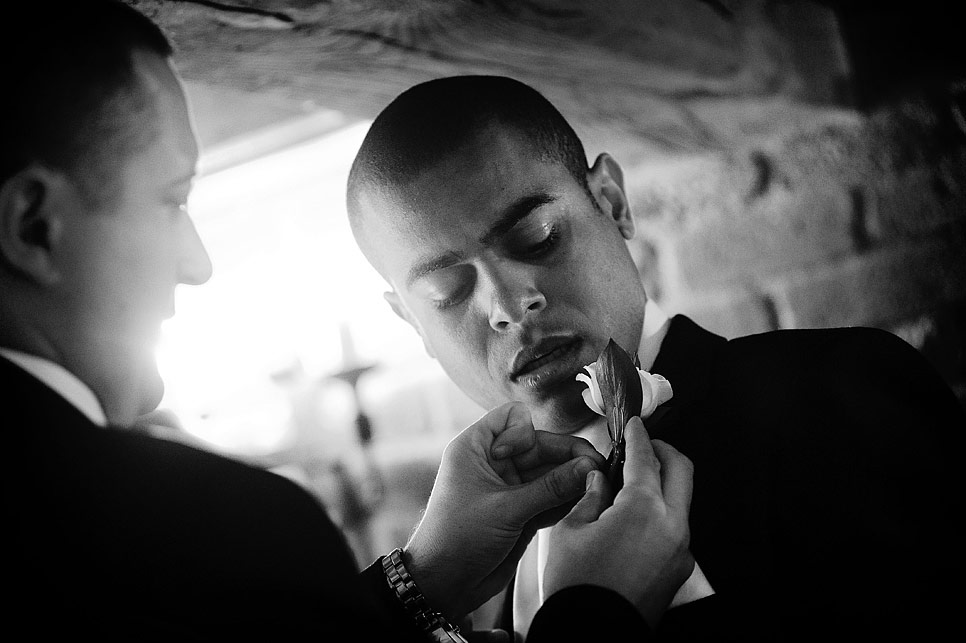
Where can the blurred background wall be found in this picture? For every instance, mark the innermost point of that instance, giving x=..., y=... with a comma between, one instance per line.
x=792, y=164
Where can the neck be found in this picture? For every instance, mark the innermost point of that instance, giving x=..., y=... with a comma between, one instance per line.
x=117, y=396
x=112, y=388
x=27, y=338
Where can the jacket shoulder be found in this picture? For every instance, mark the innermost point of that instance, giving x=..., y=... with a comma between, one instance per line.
x=853, y=348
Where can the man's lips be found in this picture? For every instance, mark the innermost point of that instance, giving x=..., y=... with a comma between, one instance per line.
x=548, y=359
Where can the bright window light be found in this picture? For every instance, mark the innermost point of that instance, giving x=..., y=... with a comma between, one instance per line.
x=290, y=292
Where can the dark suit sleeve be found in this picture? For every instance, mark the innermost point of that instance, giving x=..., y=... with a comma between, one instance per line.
x=587, y=613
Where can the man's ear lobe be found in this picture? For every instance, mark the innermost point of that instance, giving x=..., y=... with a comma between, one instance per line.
x=398, y=307
x=30, y=224
x=606, y=183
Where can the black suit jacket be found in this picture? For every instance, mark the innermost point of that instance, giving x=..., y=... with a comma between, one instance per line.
x=828, y=485
x=121, y=536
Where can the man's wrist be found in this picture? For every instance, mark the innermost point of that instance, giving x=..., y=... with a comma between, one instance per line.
x=432, y=623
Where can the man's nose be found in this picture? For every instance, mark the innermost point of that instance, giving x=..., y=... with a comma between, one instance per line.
x=513, y=295
x=195, y=266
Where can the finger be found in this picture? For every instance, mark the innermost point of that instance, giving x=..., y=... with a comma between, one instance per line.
x=677, y=476
x=641, y=466
x=551, y=449
x=561, y=447
x=596, y=498
x=512, y=430
x=559, y=485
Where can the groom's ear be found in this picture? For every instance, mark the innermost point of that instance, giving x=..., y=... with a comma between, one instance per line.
x=605, y=180
x=400, y=308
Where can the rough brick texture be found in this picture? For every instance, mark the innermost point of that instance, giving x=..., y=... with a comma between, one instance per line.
x=846, y=219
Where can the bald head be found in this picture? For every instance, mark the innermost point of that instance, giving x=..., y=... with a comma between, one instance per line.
x=431, y=121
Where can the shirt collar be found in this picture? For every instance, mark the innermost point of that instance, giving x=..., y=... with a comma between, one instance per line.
x=656, y=323
x=62, y=381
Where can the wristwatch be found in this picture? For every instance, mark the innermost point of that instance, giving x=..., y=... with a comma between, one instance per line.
x=431, y=622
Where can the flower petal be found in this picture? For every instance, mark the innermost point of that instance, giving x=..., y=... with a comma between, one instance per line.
x=589, y=400
x=592, y=395
x=657, y=390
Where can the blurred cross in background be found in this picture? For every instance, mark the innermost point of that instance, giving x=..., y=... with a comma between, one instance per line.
x=361, y=495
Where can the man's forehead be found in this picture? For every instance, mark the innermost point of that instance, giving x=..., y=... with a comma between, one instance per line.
x=432, y=212
x=177, y=140
x=455, y=202
x=397, y=227
x=472, y=184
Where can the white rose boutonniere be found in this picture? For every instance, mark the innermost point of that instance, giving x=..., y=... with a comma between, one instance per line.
x=619, y=390
x=655, y=389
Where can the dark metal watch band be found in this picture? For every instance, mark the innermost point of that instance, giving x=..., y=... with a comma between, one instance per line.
x=436, y=627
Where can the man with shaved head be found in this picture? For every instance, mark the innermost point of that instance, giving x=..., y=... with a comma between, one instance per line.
x=827, y=485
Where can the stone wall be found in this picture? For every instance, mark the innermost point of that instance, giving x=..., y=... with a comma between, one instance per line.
x=851, y=218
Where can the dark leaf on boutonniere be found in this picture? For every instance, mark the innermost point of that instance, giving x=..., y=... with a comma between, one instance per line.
x=620, y=387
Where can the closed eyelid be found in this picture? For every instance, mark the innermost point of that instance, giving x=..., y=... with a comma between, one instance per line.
x=425, y=268
x=444, y=282
x=442, y=275
x=513, y=215
x=532, y=227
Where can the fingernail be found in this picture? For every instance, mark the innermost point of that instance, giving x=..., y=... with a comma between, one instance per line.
x=500, y=451
x=590, y=478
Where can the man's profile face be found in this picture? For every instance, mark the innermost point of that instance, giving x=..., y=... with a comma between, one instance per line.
x=127, y=253
x=512, y=275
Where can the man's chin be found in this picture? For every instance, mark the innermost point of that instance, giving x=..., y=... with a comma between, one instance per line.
x=151, y=391
x=561, y=416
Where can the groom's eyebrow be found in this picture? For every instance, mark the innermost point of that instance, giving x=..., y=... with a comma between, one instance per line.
x=519, y=209
x=423, y=268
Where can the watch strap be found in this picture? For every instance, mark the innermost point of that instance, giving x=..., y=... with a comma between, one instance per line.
x=431, y=622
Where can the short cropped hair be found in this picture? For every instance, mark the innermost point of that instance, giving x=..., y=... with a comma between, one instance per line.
x=71, y=98
x=428, y=121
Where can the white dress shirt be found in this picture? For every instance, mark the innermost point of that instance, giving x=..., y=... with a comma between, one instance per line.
x=62, y=381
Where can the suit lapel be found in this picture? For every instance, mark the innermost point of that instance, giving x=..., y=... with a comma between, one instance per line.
x=686, y=359
x=730, y=535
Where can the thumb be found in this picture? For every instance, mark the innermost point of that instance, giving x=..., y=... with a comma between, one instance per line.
x=592, y=504
x=556, y=487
